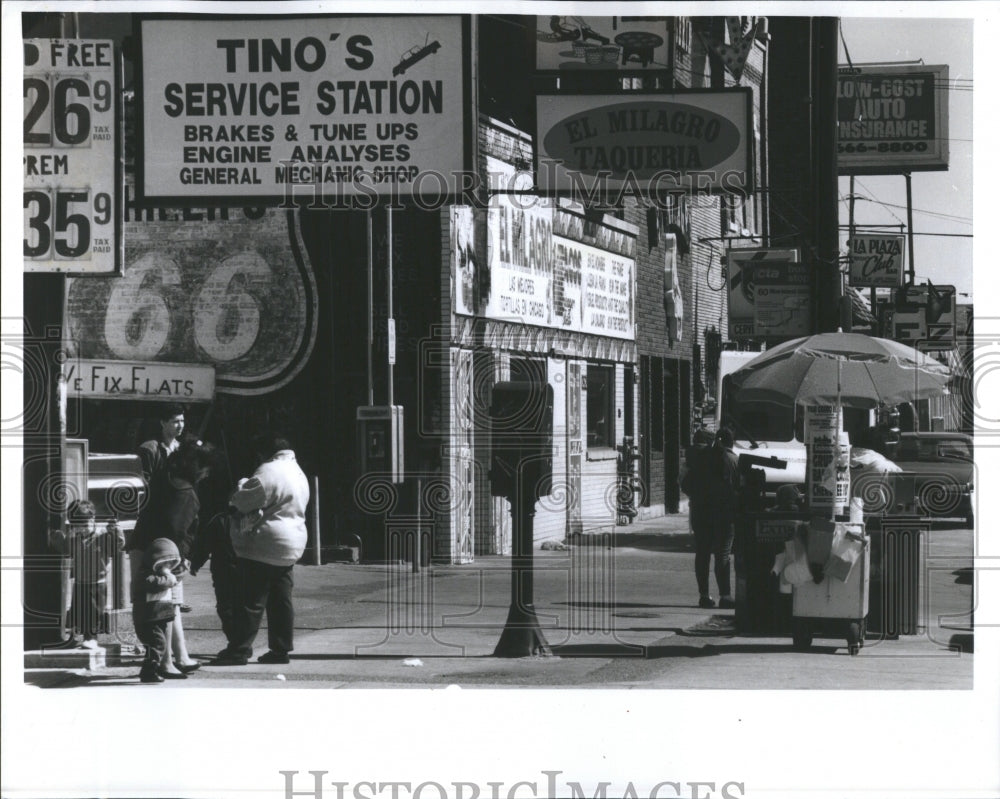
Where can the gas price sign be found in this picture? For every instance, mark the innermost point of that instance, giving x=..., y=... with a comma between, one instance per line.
x=71, y=198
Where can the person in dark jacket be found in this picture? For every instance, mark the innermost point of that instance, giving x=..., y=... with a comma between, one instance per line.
x=154, y=453
x=712, y=484
x=172, y=513
x=214, y=545
x=723, y=487
x=157, y=576
x=694, y=483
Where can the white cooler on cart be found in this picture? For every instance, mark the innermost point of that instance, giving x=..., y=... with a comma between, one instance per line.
x=835, y=607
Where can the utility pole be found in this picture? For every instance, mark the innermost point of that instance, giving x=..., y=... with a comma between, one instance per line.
x=829, y=282
x=911, y=271
x=43, y=427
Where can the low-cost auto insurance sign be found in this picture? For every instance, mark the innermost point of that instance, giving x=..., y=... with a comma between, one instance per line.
x=892, y=119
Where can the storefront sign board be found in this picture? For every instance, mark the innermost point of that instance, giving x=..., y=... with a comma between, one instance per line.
x=351, y=106
x=603, y=145
x=781, y=300
x=544, y=266
x=72, y=198
x=740, y=266
x=892, y=119
x=599, y=44
x=876, y=259
x=177, y=382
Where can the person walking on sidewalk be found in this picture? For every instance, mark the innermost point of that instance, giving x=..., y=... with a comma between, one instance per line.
x=712, y=483
x=267, y=550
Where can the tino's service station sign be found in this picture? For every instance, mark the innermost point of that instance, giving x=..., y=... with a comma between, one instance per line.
x=371, y=105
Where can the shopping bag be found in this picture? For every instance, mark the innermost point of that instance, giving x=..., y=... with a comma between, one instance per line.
x=819, y=542
x=796, y=569
x=844, y=553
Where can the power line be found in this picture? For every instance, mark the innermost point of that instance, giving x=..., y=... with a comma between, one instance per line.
x=916, y=233
x=955, y=218
x=891, y=212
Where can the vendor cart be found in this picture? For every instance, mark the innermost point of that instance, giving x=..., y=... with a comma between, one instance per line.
x=836, y=607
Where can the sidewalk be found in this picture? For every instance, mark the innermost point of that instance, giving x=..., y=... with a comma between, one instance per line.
x=617, y=610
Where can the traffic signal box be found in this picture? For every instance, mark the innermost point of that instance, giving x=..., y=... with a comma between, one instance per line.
x=380, y=440
x=521, y=436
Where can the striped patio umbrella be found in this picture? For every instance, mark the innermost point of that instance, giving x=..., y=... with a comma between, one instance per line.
x=849, y=369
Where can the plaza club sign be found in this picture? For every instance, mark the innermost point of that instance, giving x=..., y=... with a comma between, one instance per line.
x=696, y=141
x=876, y=260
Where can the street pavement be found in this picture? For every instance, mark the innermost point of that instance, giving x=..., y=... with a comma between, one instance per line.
x=618, y=610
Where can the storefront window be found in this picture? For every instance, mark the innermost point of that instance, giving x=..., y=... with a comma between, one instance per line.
x=600, y=406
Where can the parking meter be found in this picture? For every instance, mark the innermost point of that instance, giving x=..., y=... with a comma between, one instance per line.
x=521, y=438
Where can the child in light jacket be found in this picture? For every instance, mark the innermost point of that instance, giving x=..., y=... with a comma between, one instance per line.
x=161, y=567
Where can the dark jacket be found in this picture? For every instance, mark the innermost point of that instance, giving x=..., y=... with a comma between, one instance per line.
x=724, y=482
x=712, y=484
x=214, y=543
x=695, y=483
x=153, y=456
x=172, y=512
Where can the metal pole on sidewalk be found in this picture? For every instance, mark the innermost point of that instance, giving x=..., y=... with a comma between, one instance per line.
x=371, y=310
x=522, y=636
x=911, y=272
x=314, y=518
x=418, y=532
x=390, y=321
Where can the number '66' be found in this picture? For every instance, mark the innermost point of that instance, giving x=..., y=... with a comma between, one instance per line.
x=225, y=314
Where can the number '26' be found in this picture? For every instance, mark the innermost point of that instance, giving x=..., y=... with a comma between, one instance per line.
x=226, y=315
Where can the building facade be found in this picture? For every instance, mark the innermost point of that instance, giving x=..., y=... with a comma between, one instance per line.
x=617, y=309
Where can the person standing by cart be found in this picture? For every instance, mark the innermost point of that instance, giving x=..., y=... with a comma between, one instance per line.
x=694, y=483
x=712, y=484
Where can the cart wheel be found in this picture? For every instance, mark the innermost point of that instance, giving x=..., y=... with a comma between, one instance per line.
x=854, y=638
x=802, y=636
x=864, y=633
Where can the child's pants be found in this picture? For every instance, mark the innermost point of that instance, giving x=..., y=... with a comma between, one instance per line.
x=154, y=636
x=89, y=611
